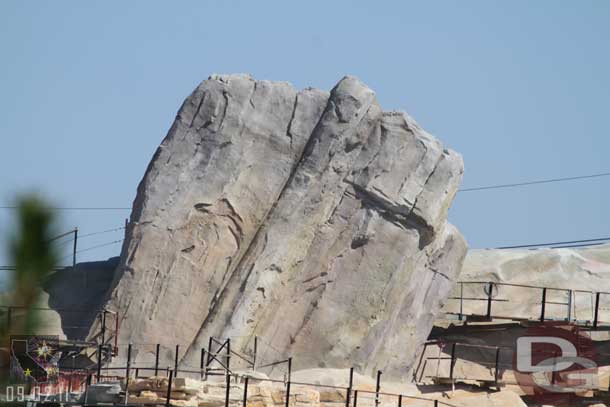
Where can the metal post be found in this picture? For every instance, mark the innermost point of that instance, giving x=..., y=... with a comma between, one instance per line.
x=377, y=387
x=169, y=389
x=228, y=389
x=543, y=304
x=210, y=343
x=137, y=372
x=400, y=400
x=116, y=333
x=127, y=372
x=74, y=252
x=453, y=346
x=595, y=321
x=104, y=326
x=255, y=350
x=87, y=384
x=9, y=313
x=99, y=362
x=461, y=301
x=497, y=371
x=569, y=305
x=435, y=403
x=228, y=354
x=349, y=387
x=288, y=382
x=355, y=398
x=176, y=361
x=157, y=359
x=128, y=368
x=202, y=362
x=491, y=288
x=245, y=402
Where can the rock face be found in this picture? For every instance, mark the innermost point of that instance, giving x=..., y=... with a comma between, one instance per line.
x=584, y=271
x=312, y=220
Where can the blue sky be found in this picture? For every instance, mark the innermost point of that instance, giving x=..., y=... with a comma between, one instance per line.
x=520, y=88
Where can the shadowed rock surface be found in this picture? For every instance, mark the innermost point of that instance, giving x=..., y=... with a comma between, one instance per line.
x=70, y=300
x=77, y=294
x=312, y=220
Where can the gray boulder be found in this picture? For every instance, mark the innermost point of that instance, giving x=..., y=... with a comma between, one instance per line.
x=314, y=221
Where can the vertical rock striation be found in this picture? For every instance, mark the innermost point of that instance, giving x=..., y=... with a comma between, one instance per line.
x=314, y=221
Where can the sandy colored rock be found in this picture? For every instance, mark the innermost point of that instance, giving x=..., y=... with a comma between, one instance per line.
x=177, y=399
x=586, y=268
x=498, y=399
x=268, y=394
x=185, y=403
x=144, y=384
x=181, y=386
x=332, y=396
x=145, y=397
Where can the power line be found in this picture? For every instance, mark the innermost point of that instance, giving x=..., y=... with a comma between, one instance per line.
x=575, y=243
x=98, y=246
x=75, y=208
x=578, y=245
x=64, y=243
x=543, y=181
x=101, y=232
x=71, y=232
x=481, y=188
x=11, y=268
x=92, y=248
x=549, y=245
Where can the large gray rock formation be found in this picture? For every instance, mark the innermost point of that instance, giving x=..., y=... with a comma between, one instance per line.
x=314, y=221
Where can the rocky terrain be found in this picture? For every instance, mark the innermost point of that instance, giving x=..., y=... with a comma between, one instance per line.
x=577, y=272
x=573, y=277
x=313, y=220
x=316, y=388
x=69, y=300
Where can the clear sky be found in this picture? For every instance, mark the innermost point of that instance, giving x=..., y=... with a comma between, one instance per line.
x=520, y=88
